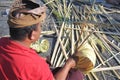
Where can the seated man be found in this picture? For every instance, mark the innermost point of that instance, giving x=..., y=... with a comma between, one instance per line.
x=17, y=60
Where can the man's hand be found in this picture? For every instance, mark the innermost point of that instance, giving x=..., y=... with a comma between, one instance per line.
x=63, y=72
x=70, y=63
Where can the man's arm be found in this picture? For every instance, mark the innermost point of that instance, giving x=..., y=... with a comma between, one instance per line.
x=63, y=72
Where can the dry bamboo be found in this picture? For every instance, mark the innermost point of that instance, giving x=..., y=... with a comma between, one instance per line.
x=107, y=60
x=112, y=70
x=111, y=33
x=105, y=69
x=107, y=47
x=49, y=2
x=104, y=78
x=113, y=45
x=57, y=43
x=72, y=41
x=90, y=76
x=97, y=54
x=94, y=75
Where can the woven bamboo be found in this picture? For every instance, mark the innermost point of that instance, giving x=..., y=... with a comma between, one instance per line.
x=86, y=58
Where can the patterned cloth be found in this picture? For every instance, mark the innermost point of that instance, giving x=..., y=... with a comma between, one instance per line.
x=25, y=13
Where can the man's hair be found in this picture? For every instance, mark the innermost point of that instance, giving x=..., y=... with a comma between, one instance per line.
x=21, y=33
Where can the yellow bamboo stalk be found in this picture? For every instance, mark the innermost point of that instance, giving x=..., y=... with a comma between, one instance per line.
x=85, y=39
x=104, y=78
x=113, y=45
x=97, y=53
x=90, y=76
x=57, y=43
x=106, y=69
x=112, y=70
x=111, y=33
x=72, y=41
x=56, y=57
x=49, y=2
x=94, y=75
x=107, y=47
x=107, y=60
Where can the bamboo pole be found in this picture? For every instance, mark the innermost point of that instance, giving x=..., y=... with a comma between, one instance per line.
x=56, y=57
x=107, y=47
x=107, y=60
x=113, y=45
x=49, y=2
x=104, y=78
x=111, y=33
x=90, y=77
x=94, y=75
x=57, y=43
x=97, y=53
x=59, y=39
x=112, y=70
x=72, y=41
x=105, y=69
x=85, y=39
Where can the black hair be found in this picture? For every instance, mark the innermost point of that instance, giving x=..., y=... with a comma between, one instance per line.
x=21, y=33
x=30, y=4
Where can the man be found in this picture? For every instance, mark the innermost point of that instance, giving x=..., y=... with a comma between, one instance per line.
x=17, y=60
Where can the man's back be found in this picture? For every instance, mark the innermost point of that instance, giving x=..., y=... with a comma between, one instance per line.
x=18, y=62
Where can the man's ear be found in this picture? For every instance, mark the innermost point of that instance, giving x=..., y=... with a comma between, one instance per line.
x=31, y=36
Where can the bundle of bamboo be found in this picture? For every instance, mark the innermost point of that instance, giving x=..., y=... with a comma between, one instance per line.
x=93, y=24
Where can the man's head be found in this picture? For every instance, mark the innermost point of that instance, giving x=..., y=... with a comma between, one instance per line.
x=30, y=32
x=25, y=21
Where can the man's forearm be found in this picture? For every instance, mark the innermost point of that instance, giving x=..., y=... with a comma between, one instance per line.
x=62, y=73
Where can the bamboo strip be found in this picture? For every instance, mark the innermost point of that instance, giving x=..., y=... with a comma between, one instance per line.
x=117, y=75
x=97, y=53
x=49, y=2
x=113, y=45
x=111, y=75
x=59, y=39
x=60, y=55
x=72, y=41
x=104, y=78
x=56, y=57
x=112, y=70
x=105, y=69
x=63, y=61
x=107, y=47
x=110, y=19
x=94, y=75
x=112, y=10
x=111, y=33
x=85, y=39
x=59, y=58
x=57, y=43
x=107, y=60
x=64, y=52
x=90, y=77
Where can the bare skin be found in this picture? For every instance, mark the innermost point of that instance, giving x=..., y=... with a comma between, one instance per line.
x=62, y=74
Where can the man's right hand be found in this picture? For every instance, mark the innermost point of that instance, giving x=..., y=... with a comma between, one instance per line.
x=70, y=63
